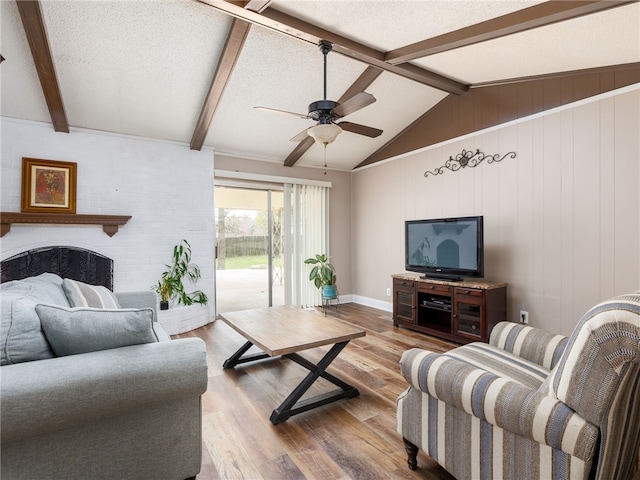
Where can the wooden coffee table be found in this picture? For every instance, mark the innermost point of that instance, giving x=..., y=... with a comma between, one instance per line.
x=284, y=331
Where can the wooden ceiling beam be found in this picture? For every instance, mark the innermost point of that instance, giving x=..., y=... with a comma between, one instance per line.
x=253, y=5
x=370, y=56
x=230, y=54
x=257, y=5
x=364, y=80
x=34, y=27
x=288, y=25
x=519, y=21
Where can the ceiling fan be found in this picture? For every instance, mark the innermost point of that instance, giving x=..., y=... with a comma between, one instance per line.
x=327, y=112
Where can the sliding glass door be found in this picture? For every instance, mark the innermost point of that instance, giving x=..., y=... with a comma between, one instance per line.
x=249, y=248
x=265, y=228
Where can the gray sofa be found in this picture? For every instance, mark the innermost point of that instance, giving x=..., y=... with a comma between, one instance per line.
x=129, y=412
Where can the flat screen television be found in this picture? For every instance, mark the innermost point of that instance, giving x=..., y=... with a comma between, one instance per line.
x=447, y=248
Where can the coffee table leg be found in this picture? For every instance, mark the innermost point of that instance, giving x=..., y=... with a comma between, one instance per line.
x=291, y=406
x=238, y=358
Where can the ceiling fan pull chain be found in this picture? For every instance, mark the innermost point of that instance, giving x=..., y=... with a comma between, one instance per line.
x=325, y=158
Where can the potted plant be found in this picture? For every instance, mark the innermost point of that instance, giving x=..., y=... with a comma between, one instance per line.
x=171, y=286
x=323, y=274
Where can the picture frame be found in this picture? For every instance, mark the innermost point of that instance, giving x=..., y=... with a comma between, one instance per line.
x=48, y=186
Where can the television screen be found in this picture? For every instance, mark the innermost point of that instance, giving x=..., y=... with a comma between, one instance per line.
x=445, y=248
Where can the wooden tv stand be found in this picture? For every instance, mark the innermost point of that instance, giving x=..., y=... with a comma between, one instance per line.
x=462, y=312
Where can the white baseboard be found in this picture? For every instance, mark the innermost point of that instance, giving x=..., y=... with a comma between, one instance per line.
x=367, y=302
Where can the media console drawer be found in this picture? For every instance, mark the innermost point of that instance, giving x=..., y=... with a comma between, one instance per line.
x=436, y=289
x=469, y=291
x=400, y=282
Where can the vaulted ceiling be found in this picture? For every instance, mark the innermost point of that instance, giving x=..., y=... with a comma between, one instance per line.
x=193, y=71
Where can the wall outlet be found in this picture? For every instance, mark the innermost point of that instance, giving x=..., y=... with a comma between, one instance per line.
x=388, y=292
x=524, y=316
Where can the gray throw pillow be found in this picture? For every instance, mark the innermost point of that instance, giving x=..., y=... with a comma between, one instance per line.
x=21, y=335
x=71, y=331
x=84, y=295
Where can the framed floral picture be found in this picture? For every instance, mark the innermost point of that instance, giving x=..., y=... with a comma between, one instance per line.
x=48, y=186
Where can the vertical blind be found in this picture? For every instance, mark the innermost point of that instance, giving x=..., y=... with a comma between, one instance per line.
x=309, y=227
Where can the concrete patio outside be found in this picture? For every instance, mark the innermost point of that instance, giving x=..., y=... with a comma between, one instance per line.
x=242, y=289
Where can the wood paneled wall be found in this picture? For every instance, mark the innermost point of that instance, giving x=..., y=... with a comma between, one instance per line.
x=562, y=219
x=487, y=106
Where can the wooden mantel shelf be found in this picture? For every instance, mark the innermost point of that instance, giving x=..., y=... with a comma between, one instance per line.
x=110, y=223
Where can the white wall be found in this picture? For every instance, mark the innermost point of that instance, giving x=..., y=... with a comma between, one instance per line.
x=166, y=188
x=562, y=219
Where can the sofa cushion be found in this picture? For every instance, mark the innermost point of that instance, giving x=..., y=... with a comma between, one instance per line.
x=84, y=295
x=71, y=331
x=21, y=336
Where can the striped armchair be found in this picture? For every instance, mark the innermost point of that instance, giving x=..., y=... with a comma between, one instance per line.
x=530, y=404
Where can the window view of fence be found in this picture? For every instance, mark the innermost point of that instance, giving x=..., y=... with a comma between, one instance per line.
x=247, y=246
x=243, y=239
x=244, y=244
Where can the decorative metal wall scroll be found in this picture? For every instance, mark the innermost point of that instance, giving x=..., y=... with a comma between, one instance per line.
x=467, y=158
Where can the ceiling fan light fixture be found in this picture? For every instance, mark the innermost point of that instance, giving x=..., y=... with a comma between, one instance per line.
x=324, y=133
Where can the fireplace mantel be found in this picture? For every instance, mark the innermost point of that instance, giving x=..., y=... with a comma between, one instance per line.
x=110, y=223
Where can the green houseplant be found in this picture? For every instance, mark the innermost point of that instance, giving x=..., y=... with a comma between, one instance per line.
x=323, y=275
x=171, y=286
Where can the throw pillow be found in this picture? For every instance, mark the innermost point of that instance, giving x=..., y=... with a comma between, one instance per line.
x=84, y=295
x=80, y=330
x=21, y=335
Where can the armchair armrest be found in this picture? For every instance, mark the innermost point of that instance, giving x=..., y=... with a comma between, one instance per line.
x=143, y=299
x=138, y=299
x=500, y=402
x=533, y=344
x=49, y=395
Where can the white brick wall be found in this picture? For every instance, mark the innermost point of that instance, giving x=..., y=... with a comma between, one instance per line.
x=166, y=188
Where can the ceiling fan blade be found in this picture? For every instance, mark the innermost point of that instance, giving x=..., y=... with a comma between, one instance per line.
x=301, y=136
x=275, y=110
x=360, y=129
x=355, y=103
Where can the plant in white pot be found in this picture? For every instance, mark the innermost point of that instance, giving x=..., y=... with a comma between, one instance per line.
x=323, y=275
x=171, y=286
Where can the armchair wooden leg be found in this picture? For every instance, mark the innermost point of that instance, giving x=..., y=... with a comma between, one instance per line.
x=412, y=454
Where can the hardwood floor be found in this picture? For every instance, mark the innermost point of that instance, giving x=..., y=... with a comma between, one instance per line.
x=348, y=439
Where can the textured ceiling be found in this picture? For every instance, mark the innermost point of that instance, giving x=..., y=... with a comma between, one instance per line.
x=608, y=38
x=387, y=25
x=145, y=67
